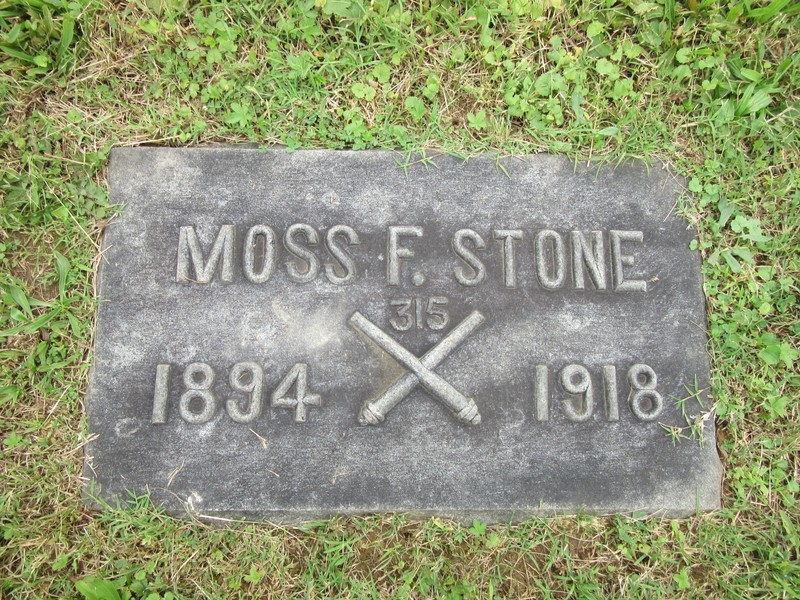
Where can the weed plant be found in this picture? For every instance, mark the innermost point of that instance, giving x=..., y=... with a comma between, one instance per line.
x=708, y=87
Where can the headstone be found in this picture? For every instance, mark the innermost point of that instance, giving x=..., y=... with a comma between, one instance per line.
x=292, y=335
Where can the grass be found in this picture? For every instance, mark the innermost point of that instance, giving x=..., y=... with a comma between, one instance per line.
x=710, y=87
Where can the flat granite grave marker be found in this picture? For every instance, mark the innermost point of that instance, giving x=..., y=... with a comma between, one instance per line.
x=289, y=336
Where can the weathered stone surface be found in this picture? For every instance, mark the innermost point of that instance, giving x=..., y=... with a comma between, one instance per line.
x=468, y=304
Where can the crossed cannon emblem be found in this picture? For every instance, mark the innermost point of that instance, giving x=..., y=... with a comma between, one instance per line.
x=420, y=371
